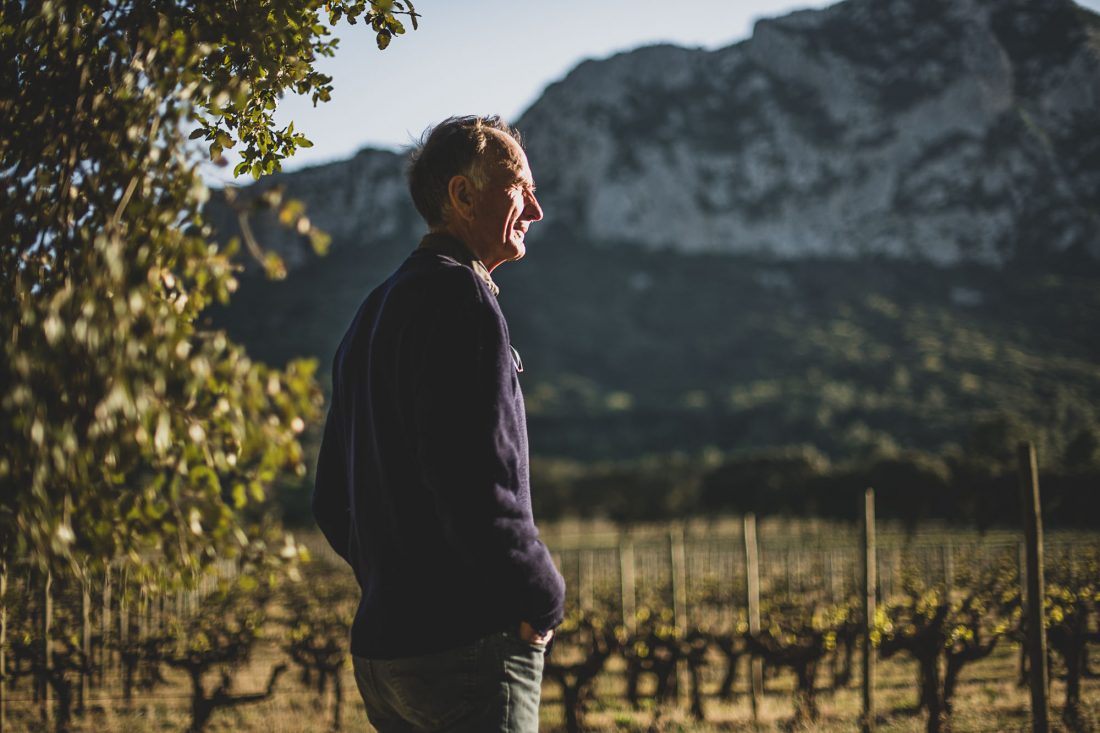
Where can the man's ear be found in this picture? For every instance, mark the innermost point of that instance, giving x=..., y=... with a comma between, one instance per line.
x=460, y=191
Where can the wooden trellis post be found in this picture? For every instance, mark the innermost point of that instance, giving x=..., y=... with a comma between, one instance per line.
x=3, y=642
x=948, y=566
x=162, y=603
x=47, y=661
x=678, y=568
x=627, y=587
x=867, y=719
x=733, y=598
x=123, y=611
x=85, y=638
x=752, y=587
x=837, y=584
x=1036, y=626
x=788, y=565
x=105, y=624
x=144, y=611
x=585, y=580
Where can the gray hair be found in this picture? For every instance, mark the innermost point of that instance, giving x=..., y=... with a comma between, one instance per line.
x=454, y=147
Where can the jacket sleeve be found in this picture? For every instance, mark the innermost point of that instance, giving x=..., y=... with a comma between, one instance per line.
x=472, y=446
x=331, y=508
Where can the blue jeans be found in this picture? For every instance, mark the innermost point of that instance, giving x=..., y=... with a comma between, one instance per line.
x=490, y=685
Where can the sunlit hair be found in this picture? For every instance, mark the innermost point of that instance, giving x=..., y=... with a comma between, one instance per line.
x=454, y=147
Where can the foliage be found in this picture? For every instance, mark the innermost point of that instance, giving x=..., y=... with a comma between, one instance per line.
x=320, y=615
x=29, y=655
x=777, y=477
x=1072, y=600
x=583, y=643
x=743, y=353
x=912, y=486
x=821, y=372
x=1083, y=450
x=129, y=424
x=933, y=623
x=220, y=636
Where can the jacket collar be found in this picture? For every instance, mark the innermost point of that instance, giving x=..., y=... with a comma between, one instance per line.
x=452, y=247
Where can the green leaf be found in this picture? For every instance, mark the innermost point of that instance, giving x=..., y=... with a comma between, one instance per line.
x=240, y=496
x=320, y=241
x=274, y=266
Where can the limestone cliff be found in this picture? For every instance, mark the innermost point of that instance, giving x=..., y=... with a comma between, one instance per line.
x=945, y=130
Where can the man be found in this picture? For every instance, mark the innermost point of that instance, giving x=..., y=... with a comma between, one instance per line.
x=422, y=480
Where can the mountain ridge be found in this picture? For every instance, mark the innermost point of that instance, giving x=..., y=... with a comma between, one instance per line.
x=843, y=132
x=868, y=225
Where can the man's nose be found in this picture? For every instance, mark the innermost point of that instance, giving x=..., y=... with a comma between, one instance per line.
x=531, y=210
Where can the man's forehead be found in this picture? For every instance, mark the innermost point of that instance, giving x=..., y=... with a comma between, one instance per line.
x=508, y=156
x=505, y=148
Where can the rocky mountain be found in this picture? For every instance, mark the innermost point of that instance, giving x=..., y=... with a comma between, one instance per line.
x=944, y=129
x=862, y=224
x=947, y=130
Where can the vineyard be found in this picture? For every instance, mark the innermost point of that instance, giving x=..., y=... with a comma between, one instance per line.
x=950, y=611
x=146, y=583
x=658, y=635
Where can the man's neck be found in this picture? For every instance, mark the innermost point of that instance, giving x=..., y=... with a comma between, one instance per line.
x=444, y=242
x=457, y=230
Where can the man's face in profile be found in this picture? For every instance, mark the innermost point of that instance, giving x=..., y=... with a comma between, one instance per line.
x=505, y=206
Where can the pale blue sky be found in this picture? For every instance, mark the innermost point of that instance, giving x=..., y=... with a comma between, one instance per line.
x=493, y=56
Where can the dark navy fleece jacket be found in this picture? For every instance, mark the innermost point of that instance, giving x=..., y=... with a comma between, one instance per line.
x=422, y=480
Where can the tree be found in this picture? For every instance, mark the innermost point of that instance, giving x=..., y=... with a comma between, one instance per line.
x=129, y=425
x=913, y=486
x=771, y=481
x=1083, y=452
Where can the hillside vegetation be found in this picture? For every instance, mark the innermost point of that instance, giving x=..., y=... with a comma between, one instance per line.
x=639, y=359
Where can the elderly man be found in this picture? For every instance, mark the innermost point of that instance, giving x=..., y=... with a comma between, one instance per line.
x=422, y=481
